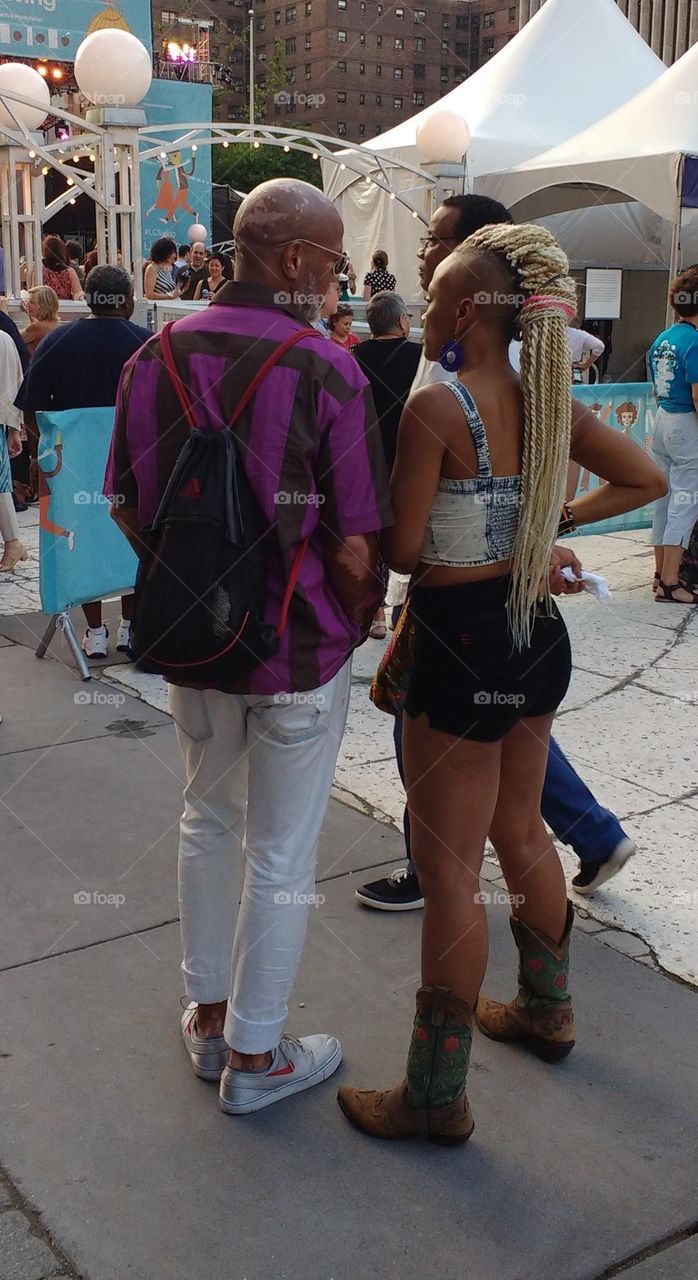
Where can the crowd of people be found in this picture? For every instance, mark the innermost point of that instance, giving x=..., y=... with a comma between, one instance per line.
x=445, y=464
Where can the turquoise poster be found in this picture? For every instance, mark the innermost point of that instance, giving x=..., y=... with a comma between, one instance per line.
x=53, y=29
x=627, y=407
x=175, y=190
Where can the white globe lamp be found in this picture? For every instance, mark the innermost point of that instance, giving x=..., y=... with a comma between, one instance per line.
x=113, y=68
x=197, y=234
x=443, y=137
x=16, y=77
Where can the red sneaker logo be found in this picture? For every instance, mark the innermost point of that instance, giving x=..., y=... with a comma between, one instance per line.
x=283, y=1071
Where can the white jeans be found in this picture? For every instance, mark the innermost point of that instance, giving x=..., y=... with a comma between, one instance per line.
x=675, y=450
x=259, y=772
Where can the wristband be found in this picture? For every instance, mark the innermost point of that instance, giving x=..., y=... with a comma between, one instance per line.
x=567, y=521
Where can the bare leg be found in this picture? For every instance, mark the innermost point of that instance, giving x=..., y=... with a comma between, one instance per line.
x=527, y=855
x=127, y=608
x=452, y=787
x=93, y=614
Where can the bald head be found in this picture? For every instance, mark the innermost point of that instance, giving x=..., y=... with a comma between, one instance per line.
x=288, y=235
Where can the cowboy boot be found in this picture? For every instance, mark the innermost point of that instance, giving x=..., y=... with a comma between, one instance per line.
x=541, y=1015
x=430, y=1102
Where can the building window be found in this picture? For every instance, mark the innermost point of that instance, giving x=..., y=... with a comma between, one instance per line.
x=444, y=75
x=446, y=24
x=341, y=129
x=488, y=20
x=362, y=6
x=277, y=17
x=462, y=23
x=362, y=37
x=308, y=70
x=398, y=73
x=397, y=103
x=166, y=16
x=445, y=46
x=341, y=4
x=379, y=71
x=290, y=13
x=290, y=44
x=362, y=68
x=420, y=44
x=261, y=24
x=308, y=39
x=459, y=74
x=462, y=50
x=418, y=98
x=291, y=76
x=399, y=14
x=341, y=64
x=420, y=15
x=362, y=99
x=488, y=46
x=362, y=130
x=512, y=13
x=399, y=42
x=379, y=129
x=379, y=100
x=341, y=95
x=379, y=42
x=342, y=37
x=419, y=69
x=308, y=8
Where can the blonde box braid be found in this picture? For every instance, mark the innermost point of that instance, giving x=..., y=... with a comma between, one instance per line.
x=541, y=273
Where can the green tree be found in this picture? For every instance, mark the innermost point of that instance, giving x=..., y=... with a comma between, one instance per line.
x=244, y=167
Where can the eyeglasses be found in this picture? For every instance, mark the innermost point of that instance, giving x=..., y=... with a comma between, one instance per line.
x=339, y=266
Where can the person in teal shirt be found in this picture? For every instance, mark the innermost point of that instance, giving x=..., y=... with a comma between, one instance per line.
x=673, y=359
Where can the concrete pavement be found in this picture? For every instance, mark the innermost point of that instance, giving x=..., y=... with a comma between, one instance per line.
x=117, y=1160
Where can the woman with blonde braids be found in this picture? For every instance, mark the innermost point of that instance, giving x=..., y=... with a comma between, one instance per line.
x=477, y=492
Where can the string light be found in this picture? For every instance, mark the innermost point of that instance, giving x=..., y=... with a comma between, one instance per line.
x=194, y=147
x=44, y=171
x=72, y=201
x=315, y=155
x=342, y=166
x=256, y=145
x=43, y=71
x=70, y=182
x=287, y=149
x=93, y=158
x=226, y=144
x=163, y=155
x=57, y=73
x=414, y=213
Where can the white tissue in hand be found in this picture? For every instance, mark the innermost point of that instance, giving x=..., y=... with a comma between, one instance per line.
x=592, y=582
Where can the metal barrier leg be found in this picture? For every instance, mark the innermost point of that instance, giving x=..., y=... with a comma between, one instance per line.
x=61, y=621
x=47, y=637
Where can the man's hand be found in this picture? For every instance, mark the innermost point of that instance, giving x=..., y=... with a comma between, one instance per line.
x=561, y=558
x=14, y=442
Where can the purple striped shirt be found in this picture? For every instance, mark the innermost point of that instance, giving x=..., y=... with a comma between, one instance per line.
x=309, y=443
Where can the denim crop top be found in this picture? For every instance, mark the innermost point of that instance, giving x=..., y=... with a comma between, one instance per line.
x=472, y=522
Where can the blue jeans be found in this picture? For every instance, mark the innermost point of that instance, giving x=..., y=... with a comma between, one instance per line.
x=567, y=805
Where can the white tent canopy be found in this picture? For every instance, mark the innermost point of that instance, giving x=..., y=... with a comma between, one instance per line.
x=634, y=153
x=568, y=67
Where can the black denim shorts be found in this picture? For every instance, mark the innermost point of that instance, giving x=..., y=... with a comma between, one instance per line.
x=468, y=678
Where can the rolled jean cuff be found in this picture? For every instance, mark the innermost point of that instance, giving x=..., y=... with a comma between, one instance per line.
x=252, y=1037
x=207, y=988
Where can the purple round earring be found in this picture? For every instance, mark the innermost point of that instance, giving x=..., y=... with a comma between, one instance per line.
x=451, y=356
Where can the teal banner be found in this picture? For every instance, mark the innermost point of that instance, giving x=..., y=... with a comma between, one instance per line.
x=82, y=554
x=627, y=407
x=53, y=29
x=176, y=191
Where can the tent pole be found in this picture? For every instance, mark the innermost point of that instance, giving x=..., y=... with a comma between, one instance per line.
x=675, y=258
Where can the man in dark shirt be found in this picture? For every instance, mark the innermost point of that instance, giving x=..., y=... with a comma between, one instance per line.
x=196, y=270
x=78, y=366
x=390, y=363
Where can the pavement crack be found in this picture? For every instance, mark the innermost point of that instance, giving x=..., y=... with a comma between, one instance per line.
x=88, y=946
x=651, y=1251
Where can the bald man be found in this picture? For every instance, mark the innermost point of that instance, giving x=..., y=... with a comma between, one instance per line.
x=260, y=758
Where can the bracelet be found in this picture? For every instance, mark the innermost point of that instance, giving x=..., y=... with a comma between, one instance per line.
x=567, y=521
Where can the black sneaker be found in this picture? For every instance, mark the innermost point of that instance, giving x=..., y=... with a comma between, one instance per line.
x=593, y=874
x=397, y=892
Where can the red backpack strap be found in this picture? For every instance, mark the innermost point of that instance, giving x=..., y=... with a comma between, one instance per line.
x=269, y=363
x=169, y=362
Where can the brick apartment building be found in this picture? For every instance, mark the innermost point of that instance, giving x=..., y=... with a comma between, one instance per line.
x=670, y=27
x=354, y=68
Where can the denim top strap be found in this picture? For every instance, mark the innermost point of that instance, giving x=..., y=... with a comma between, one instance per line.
x=477, y=427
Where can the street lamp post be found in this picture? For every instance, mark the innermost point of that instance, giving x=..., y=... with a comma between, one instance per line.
x=250, y=14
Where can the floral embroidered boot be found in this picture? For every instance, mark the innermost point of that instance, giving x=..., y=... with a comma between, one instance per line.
x=430, y=1102
x=541, y=1016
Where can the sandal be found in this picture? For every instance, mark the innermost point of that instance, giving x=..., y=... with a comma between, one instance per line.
x=665, y=593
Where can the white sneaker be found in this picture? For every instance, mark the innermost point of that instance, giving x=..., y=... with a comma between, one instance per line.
x=296, y=1065
x=95, y=642
x=123, y=636
x=209, y=1054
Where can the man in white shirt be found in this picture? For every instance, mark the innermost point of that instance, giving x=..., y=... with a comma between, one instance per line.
x=585, y=350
